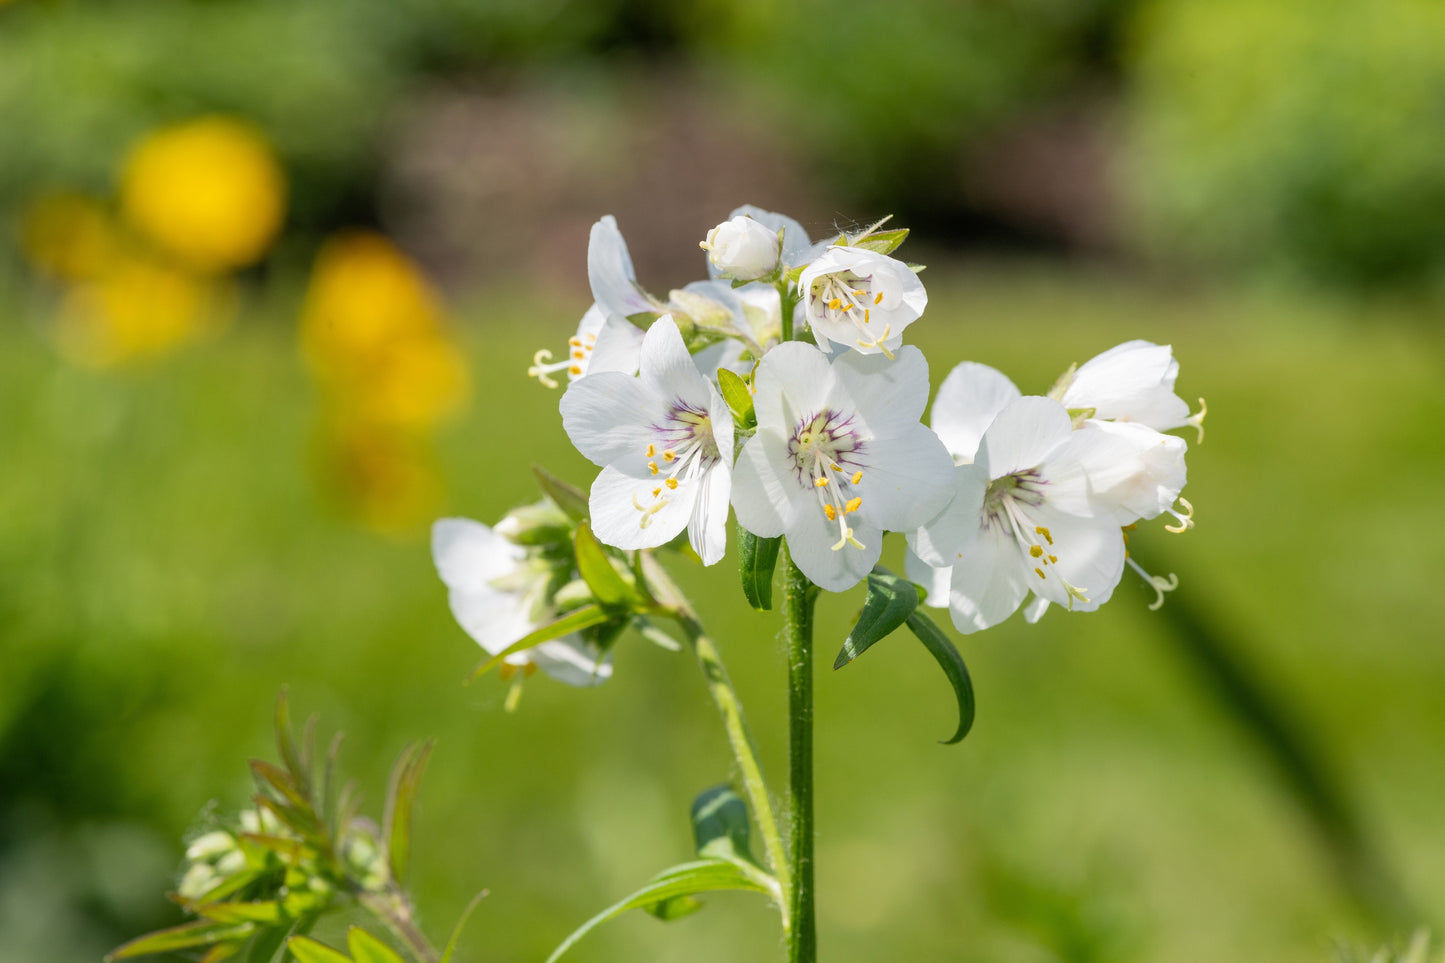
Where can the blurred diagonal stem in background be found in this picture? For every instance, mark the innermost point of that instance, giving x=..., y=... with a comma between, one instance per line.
x=1307, y=776
x=740, y=740
x=799, y=595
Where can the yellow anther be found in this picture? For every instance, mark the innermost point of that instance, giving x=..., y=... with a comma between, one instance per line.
x=859, y=294
x=865, y=316
x=1053, y=558
x=669, y=455
x=656, y=492
x=579, y=355
x=853, y=505
x=834, y=304
x=575, y=342
x=820, y=482
x=1039, y=529
x=831, y=512
x=857, y=477
x=653, y=466
x=651, y=449
x=575, y=370
x=671, y=483
x=834, y=466
x=878, y=298
x=1037, y=551
x=1040, y=573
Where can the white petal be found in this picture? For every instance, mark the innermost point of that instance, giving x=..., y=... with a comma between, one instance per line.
x=941, y=540
x=667, y=369
x=570, y=660
x=988, y=582
x=606, y=415
x=765, y=495
x=1090, y=556
x=1137, y=474
x=618, y=348
x=468, y=554
x=810, y=543
x=1023, y=435
x=967, y=402
x=936, y=580
x=610, y=272
x=793, y=381
x=908, y=480
x=618, y=521
x=795, y=238
x=1133, y=381
x=1035, y=609
x=708, y=528
x=885, y=393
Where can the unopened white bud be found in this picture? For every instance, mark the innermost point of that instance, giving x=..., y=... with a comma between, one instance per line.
x=742, y=248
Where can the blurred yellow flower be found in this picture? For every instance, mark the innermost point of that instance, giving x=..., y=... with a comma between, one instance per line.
x=137, y=308
x=387, y=480
x=210, y=191
x=365, y=295
x=68, y=235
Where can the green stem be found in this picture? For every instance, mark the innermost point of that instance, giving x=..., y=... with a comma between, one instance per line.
x=799, y=595
x=393, y=908
x=789, y=302
x=740, y=740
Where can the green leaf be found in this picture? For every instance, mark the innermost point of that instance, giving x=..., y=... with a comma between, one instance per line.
x=268, y=912
x=224, y=951
x=273, y=776
x=656, y=635
x=366, y=948
x=608, y=587
x=735, y=392
x=400, y=800
x=460, y=925
x=286, y=744
x=571, y=500
x=184, y=937
x=687, y=879
x=757, y=558
x=891, y=600
x=720, y=825
x=676, y=908
x=585, y=617
x=883, y=242
x=307, y=950
x=952, y=665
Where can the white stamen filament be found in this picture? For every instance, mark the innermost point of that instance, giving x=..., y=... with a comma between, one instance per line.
x=579, y=356
x=852, y=298
x=1158, y=583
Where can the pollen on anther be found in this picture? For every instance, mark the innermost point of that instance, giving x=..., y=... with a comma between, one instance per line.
x=820, y=482
x=834, y=304
x=1037, y=551
x=575, y=369
x=652, y=465
x=669, y=455
x=865, y=316
x=1045, y=533
x=857, y=477
x=672, y=483
x=579, y=355
x=831, y=512
x=1053, y=558
x=651, y=449
x=1040, y=573
x=878, y=298
x=575, y=342
x=853, y=505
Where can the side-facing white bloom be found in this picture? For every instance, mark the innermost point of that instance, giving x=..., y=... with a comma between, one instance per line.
x=498, y=596
x=664, y=441
x=1131, y=382
x=861, y=298
x=743, y=248
x=839, y=456
x=602, y=343
x=1027, y=516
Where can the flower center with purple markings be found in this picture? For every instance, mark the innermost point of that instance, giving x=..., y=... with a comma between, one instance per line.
x=827, y=454
x=683, y=448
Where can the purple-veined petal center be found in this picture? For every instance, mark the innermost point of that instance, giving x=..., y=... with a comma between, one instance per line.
x=828, y=455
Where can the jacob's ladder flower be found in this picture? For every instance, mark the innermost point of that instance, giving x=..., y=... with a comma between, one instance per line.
x=861, y=299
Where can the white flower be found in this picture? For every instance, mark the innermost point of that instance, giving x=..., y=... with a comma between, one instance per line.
x=743, y=248
x=611, y=275
x=861, y=298
x=602, y=343
x=1027, y=516
x=498, y=596
x=1131, y=382
x=839, y=456
x=795, y=247
x=664, y=441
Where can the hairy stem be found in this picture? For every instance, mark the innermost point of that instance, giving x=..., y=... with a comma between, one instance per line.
x=394, y=909
x=799, y=595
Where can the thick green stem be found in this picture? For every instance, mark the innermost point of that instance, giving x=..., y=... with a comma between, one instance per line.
x=799, y=595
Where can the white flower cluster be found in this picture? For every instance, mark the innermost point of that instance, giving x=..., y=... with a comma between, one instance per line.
x=1007, y=498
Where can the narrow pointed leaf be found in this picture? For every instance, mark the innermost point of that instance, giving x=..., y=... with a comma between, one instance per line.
x=757, y=557
x=400, y=801
x=286, y=743
x=265, y=912
x=221, y=951
x=307, y=950
x=184, y=937
x=461, y=924
x=269, y=775
x=951, y=663
x=570, y=499
x=574, y=621
x=883, y=242
x=608, y=587
x=366, y=948
x=720, y=825
x=687, y=879
x=891, y=600
x=740, y=400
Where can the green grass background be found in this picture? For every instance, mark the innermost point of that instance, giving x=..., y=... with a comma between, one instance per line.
x=166, y=565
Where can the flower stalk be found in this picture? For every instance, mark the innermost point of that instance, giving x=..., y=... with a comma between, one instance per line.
x=799, y=595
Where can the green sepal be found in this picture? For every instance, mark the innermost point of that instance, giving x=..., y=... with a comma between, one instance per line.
x=400, y=801
x=572, y=500
x=951, y=662
x=184, y=937
x=757, y=557
x=740, y=400
x=366, y=948
x=575, y=621
x=720, y=825
x=686, y=879
x=609, y=587
x=891, y=600
x=307, y=950
x=882, y=242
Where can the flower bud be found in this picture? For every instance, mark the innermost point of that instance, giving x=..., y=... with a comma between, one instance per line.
x=742, y=248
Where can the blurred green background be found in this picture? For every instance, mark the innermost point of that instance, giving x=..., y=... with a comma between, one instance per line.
x=210, y=494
